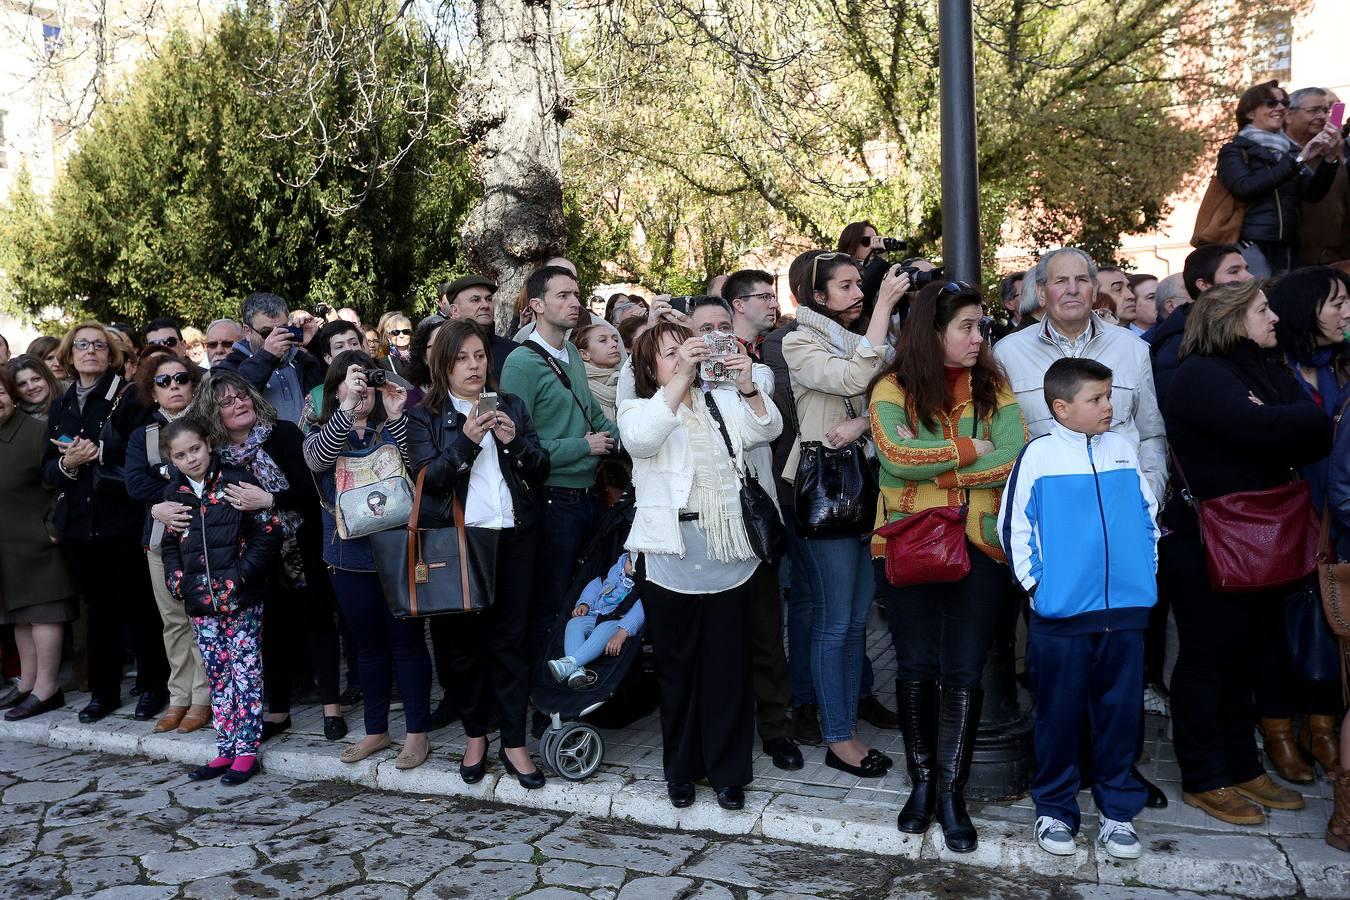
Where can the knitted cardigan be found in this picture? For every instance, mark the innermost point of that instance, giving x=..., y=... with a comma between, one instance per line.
x=938, y=465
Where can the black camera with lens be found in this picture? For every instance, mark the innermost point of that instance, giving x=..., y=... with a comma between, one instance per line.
x=322, y=310
x=893, y=245
x=375, y=377
x=920, y=277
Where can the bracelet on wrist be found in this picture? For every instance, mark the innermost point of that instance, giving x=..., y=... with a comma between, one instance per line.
x=747, y=395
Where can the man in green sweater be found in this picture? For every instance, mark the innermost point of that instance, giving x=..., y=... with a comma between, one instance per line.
x=548, y=374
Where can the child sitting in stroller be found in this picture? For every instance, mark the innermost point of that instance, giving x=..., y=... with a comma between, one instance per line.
x=594, y=628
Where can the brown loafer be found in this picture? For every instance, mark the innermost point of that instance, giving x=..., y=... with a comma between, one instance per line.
x=1269, y=794
x=171, y=719
x=1226, y=805
x=355, y=753
x=1284, y=756
x=197, y=717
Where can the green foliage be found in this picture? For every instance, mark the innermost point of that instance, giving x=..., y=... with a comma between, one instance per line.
x=182, y=197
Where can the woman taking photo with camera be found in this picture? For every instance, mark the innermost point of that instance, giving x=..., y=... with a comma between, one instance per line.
x=947, y=429
x=831, y=357
x=697, y=563
x=492, y=462
x=357, y=418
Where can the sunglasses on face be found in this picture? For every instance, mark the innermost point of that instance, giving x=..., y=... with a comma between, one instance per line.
x=176, y=378
x=169, y=341
x=1272, y=102
x=83, y=344
x=396, y=332
x=216, y=345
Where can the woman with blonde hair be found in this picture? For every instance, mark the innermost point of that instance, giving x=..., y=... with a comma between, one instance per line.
x=395, y=337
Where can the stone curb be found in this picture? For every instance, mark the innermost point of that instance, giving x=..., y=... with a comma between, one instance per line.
x=1249, y=865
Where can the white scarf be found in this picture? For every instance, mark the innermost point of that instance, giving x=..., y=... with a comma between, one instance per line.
x=716, y=495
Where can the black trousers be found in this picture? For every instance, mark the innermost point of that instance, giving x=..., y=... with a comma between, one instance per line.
x=701, y=649
x=302, y=618
x=1218, y=667
x=569, y=519
x=115, y=583
x=942, y=632
x=486, y=651
x=768, y=661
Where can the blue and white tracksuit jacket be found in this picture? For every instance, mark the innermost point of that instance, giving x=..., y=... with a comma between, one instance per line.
x=1078, y=523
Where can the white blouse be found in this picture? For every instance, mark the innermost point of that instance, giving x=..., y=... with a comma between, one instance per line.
x=489, y=503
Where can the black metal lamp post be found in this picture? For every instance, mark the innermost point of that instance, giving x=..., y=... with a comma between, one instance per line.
x=1001, y=767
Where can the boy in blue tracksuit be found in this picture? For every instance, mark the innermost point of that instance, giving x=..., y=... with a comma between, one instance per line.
x=1078, y=525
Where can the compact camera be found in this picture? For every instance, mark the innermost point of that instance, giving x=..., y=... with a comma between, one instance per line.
x=720, y=346
x=375, y=377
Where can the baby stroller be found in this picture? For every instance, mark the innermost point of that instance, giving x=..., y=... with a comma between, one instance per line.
x=570, y=747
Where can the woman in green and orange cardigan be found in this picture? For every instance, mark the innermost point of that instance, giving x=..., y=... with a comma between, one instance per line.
x=947, y=430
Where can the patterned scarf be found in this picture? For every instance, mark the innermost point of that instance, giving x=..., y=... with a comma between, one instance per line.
x=251, y=455
x=1274, y=141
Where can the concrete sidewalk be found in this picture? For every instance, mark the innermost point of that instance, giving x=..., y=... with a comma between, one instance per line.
x=1186, y=851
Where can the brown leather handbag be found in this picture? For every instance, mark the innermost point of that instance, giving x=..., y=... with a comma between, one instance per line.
x=1256, y=540
x=1219, y=219
x=928, y=547
x=1334, y=578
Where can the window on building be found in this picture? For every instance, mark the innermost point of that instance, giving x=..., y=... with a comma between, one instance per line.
x=51, y=38
x=1272, y=46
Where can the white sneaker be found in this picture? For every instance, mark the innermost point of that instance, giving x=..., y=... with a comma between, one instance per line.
x=562, y=668
x=581, y=679
x=1119, y=840
x=1054, y=836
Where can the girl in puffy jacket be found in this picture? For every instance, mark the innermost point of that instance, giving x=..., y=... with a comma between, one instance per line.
x=219, y=568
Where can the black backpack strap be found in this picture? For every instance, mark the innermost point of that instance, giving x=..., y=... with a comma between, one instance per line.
x=558, y=370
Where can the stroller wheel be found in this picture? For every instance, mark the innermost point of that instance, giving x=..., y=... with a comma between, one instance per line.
x=577, y=752
x=548, y=745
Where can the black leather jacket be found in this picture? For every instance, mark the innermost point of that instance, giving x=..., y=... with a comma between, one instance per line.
x=437, y=443
x=1272, y=185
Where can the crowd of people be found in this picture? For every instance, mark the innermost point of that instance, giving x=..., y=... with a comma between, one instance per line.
x=889, y=443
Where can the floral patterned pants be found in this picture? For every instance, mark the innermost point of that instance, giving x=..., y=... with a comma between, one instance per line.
x=231, y=648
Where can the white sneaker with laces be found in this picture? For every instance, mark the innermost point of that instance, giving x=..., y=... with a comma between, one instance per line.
x=1054, y=836
x=1119, y=840
x=562, y=668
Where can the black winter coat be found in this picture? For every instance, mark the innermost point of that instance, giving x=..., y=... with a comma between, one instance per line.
x=226, y=559
x=1165, y=350
x=94, y=504
x=437, y=443
x=1272, y=185
x=1225, y=442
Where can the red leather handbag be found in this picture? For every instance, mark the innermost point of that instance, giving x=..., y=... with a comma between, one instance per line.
x=1255, y=540
x=928, y=547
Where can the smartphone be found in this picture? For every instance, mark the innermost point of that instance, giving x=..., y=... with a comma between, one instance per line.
x=1337, y=115
x=487, y=403
x=296, y=332
x=65, y=439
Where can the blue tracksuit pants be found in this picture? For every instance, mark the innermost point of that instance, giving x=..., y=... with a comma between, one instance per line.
x=1098, y=677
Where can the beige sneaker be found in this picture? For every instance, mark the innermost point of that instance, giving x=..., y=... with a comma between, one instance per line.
x=1269, y=794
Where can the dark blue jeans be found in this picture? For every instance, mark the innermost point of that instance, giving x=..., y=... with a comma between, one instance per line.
x=386, y=648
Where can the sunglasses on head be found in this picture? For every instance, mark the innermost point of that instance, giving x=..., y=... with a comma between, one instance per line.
x=957, y=287
x=170, y=341
x=176, y=378
x=815, y=263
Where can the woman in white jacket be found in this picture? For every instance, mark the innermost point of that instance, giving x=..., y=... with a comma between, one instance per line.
x=696, y=561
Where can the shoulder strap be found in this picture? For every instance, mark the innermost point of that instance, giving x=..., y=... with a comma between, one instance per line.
x=722, y=426
x=558, y=370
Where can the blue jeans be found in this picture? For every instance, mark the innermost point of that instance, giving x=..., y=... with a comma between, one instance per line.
x=839, y=574
x=799, y=613
x=585, y=641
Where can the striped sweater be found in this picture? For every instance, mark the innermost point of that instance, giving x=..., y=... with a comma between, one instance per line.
x=937, y=466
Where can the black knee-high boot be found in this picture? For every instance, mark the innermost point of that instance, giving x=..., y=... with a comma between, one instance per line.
x=958, y=720
x=918, y=702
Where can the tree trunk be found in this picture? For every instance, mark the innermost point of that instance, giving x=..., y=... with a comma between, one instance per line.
x=512, y=111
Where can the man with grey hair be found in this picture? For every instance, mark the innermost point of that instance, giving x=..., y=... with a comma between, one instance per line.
x=271, y=359
x=1171, y=294
x=1324, y=230
x=1066, y=284
x=221, y=336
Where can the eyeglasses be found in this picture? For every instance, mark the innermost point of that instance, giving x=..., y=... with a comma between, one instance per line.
x=228, y=400
x=766, y=296
x=1271, y=103
x=83, y=344
x=828, y=256
x=395, y=332
x=176, y=378
x=216, y=345
x=170, y=341
x=1315, y=110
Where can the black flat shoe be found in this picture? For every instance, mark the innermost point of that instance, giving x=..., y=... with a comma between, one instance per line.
x=885, y=760
x=681, y=793
x=150, y=704
x=234, y=776
x=13, y=697
x=98, y=709
x=785, y=753
x=334, y=727
x=870, y=768
x=206, y=773
x=351, y=696
x=528, y=780
x=474, y=773
x=732, y=798
x=871, y=710
x=272, y=729
x=1156, y=798
x=32, y=706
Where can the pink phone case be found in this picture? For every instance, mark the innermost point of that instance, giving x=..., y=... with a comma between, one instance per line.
x=1337, y=117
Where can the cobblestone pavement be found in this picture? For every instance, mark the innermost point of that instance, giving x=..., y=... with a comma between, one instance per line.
x=98, y=825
